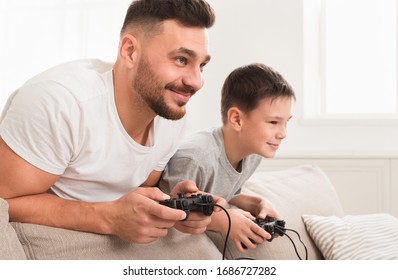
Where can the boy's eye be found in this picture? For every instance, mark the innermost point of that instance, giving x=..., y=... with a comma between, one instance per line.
x=273, y=122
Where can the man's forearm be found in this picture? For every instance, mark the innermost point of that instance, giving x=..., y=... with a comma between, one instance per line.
x=51, y=210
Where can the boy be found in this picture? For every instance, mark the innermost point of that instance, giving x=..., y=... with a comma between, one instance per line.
x=255, y=107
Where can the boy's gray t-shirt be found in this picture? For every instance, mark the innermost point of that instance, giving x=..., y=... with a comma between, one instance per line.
x=202, y=159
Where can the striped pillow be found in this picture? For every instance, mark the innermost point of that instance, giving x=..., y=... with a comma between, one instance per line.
x=355, y=237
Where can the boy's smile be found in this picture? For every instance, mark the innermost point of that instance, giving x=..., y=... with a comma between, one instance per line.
x=274, y=146
x=264, y=128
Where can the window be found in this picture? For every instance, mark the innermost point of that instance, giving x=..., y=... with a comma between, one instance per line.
x=350, y=59
x=36, y=35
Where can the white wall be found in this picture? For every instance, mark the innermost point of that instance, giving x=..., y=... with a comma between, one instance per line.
x=268, y=31
x=245, y=32
x=36, y=35
x=271, y=32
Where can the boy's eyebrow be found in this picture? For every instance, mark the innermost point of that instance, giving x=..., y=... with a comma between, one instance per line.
x=190, y=53
x=280, y=118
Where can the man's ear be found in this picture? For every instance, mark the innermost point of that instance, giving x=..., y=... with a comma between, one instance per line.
x=128, y=49
x=235, y=119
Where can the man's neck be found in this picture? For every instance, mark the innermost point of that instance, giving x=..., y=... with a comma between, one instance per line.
x=133, y=113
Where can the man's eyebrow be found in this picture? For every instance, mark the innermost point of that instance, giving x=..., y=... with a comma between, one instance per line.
x=190, y=53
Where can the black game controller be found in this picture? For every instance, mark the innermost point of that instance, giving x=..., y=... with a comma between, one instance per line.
x=272, y=226
x=201, y=203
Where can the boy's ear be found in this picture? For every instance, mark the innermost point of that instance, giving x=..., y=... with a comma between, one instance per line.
x=235, y=118
x=128, y=49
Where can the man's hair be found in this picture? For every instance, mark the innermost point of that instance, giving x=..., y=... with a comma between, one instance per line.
x=150, y=13
x=246, y=86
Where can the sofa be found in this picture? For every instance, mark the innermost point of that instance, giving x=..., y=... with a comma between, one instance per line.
x=316, y=228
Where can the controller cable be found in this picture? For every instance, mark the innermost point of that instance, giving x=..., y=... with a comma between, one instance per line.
x=294, y=245
x=276, y=226
x=228, y=231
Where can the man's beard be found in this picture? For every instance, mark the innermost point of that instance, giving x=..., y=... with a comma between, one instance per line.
x=151, y=90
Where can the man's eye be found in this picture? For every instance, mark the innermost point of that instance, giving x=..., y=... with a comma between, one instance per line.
x=202, y=65
x=273, y=122
x=182, y=60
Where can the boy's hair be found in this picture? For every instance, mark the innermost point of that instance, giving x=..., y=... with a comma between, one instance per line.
x=150, y=13
x=246, y=86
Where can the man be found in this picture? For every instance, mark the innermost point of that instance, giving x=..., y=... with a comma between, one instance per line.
x=77, y=140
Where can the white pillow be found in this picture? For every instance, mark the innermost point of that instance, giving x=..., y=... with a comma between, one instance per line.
x=355, y=237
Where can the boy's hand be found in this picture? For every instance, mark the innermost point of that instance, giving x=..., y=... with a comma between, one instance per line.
x=245, y=234
x=266, y=209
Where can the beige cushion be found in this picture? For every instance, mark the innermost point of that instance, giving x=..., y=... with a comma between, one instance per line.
x=293, y=192
x=355, y=237
x=10, y=248
x=48, y=243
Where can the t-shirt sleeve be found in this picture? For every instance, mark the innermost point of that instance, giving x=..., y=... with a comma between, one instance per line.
x=38, y=125
x=180, y=169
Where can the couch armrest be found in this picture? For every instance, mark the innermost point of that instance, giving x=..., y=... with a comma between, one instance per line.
x=295, y=191
x=10, y=247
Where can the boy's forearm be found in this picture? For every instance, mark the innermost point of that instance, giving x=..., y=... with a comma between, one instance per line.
x=246, y=202
x=219, y=222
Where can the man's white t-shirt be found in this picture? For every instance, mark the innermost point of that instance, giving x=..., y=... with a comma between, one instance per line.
x=64, y=121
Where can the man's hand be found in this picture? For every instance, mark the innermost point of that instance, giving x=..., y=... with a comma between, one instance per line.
x=138, y=217
x=197, y=222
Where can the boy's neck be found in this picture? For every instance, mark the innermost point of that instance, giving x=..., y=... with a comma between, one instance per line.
x=233, y=149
